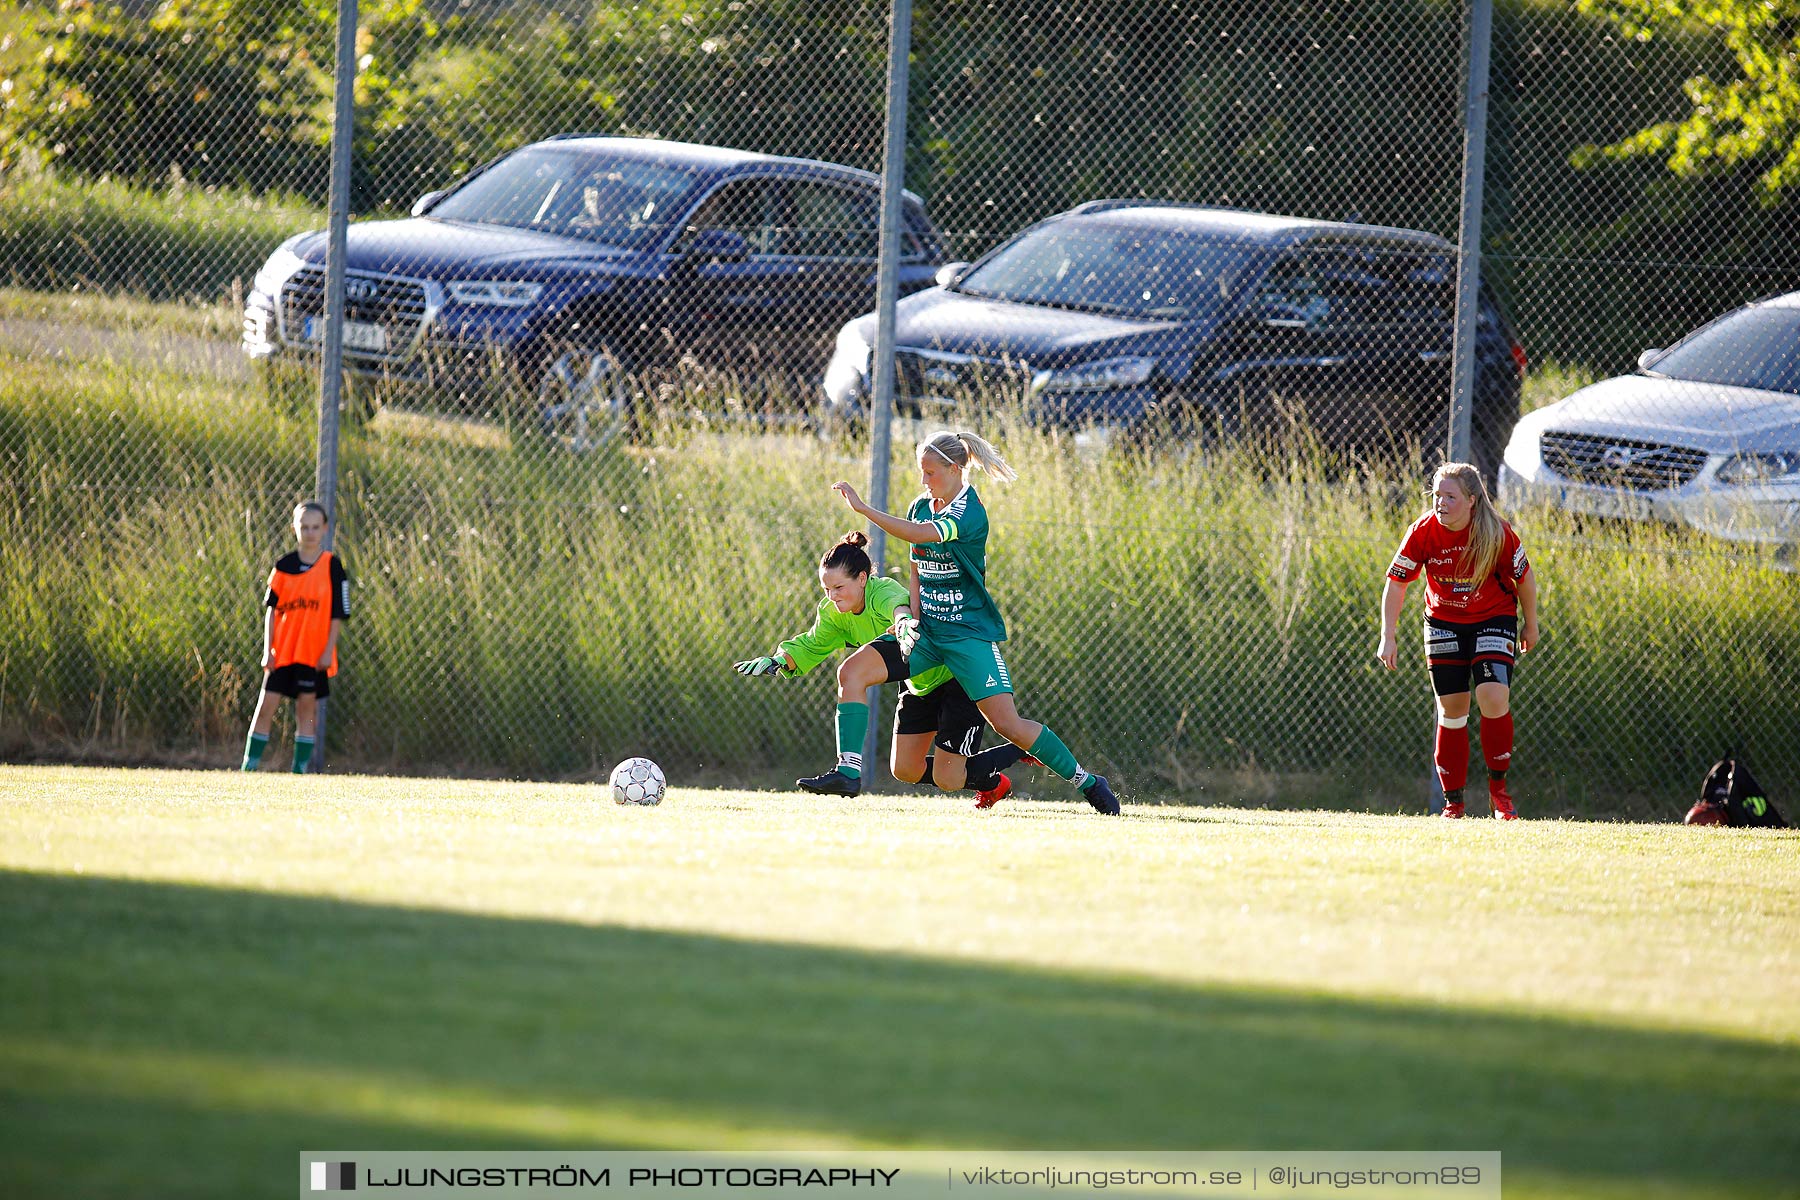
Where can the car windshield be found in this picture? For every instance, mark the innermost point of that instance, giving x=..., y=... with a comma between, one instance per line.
x=620, y=201
x=1756, y=348
x=1111, y=268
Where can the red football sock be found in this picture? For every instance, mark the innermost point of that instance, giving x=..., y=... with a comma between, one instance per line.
x=1451, y=753
x=1496, y=741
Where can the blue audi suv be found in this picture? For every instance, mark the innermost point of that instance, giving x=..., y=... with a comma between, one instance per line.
x=1158, y=317
x=563, y=272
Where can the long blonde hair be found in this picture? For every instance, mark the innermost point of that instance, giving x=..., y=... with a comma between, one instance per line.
x=960, y=448
x=1486, y=534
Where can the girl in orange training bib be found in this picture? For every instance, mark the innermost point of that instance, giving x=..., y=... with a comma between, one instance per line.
x=307, y=603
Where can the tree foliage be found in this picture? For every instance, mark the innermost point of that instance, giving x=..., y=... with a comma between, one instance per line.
x=219, y=92
x=1751, y=121
x=1019, y=108
x=238, y=92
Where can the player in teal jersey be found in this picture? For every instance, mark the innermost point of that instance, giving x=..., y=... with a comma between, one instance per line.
x=860, y=609
x=958, y=624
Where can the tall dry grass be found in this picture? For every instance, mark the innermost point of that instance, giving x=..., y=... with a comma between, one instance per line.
x=1202, y=626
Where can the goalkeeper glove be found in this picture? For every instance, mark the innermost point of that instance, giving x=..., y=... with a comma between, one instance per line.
x=906, y=632
x=766, y=665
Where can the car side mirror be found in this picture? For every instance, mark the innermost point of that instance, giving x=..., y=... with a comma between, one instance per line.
x=717, y=246
x=424, y=203
x=950, y=274
x=1648, y=357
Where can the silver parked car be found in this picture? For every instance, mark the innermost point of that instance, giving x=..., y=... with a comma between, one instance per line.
x=1705, y=433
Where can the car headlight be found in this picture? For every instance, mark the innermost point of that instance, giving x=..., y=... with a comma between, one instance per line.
x=499, y=293
x=1102, y=376
x=1759, y=468
x=278, y=270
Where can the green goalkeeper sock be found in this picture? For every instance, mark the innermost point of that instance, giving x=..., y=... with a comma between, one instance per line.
x=303, y=748
x=1049, y=750
x=852, y=724
x=253, y=750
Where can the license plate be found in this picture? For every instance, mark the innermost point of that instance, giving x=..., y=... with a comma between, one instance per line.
x=358, y=335
x=1619, y=505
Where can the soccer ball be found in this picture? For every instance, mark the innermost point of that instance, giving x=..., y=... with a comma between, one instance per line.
x=1706, y=813
x=638, y=781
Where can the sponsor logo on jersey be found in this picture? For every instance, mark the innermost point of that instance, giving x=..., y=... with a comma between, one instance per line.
x=1403, y=563
x=1489, y=643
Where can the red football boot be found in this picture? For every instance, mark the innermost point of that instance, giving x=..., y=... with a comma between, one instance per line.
x=994, y=795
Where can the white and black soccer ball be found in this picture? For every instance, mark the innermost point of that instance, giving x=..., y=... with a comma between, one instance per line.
x=638, y=781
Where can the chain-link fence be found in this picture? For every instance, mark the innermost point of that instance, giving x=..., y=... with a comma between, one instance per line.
x=603, y=376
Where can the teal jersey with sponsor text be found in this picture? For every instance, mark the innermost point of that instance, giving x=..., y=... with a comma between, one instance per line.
x=833, y=631
x=953, y=596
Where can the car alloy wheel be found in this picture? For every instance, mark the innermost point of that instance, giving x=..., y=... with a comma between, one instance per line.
x=583, y=399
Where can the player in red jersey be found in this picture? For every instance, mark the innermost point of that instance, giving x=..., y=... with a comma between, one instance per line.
x=1480, y=614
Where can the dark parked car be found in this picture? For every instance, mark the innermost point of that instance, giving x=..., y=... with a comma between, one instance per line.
x=566, y=267
x=1148, y=315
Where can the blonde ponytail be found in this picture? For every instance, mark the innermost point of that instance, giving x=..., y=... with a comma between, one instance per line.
x=960, y=448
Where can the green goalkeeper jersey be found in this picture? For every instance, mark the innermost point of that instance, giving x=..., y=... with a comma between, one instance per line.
x=953, y=595
x=833, y=631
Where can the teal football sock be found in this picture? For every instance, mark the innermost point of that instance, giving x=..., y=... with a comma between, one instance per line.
x=1049, y=750
x=852, y=724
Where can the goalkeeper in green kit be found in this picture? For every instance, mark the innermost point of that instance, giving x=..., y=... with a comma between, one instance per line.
x=861, y=609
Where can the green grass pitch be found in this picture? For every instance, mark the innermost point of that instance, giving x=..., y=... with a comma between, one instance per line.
x=203, y=973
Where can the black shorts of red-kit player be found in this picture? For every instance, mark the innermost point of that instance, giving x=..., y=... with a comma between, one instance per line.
x=296, y=680
x=1478, y=652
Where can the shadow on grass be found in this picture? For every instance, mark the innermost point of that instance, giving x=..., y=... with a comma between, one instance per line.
x=148, y=1028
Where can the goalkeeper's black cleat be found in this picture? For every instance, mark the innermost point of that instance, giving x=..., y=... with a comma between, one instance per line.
x=1101, y=796
x=832, y=783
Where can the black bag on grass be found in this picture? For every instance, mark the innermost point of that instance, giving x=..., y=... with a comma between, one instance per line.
x=1731, y=796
